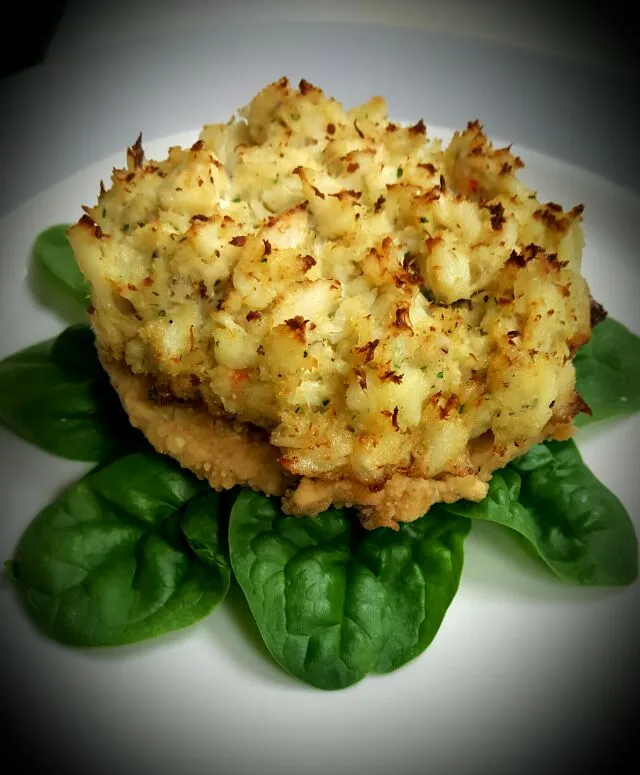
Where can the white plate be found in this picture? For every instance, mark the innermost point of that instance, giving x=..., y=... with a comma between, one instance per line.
x=521, y=664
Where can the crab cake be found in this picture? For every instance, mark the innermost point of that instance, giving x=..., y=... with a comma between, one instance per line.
x=357, y=313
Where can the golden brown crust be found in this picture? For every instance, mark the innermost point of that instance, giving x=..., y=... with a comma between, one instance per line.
x=405, y=497
x=218, y=449
x=401, y=499
x=226, y=453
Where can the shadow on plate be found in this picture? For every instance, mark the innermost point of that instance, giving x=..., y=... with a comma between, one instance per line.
x=48, y=293
x=231, y=626
x=500, y=561
x=243, y=642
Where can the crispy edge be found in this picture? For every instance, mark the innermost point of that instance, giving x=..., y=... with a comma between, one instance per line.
x=222, y=451
x=404, y=498
x=227, y=453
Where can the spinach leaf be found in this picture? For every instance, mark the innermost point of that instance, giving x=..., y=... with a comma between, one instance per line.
x=577, y=526
x=608, y=373
x=118, y=559
x=334, y=602
x=56, y=395
x=53, y=251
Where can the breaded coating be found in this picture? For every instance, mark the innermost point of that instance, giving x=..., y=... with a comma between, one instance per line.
x=222, y=451
x=379, y=305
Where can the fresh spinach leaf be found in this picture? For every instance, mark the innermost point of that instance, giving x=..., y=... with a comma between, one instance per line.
x=608, y=373
x=210, y=548
x=334, y=602
x=577, y=526
x=130, y=552
x=56, y=395
x=53, y=251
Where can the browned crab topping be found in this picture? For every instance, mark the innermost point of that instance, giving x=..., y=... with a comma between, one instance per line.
x=552, y=259
x=580, y=406
x=555, y=222
x=418, y=129
x=361, y=377
x=411, y=268
x=389, y=250
x=517, y=259
x=346, y=194
x=307, y=262
x=297, y=325
x=449, y=405
x=497, y=216
x=305, y=87
x=528, y=253
x=391, y=376
x=597, y=312
x=393, y=416
x=87, y=221
x=135, y=154
x=402, y=318
x=368, y=350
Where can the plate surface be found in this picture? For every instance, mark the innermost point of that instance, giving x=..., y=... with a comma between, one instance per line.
x=521, y=669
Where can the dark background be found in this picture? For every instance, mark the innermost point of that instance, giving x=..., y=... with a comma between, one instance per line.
x=609, y=745
x=613, y=25
x=35, y=29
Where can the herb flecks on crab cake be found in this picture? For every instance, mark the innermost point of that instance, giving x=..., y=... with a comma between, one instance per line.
x=333, y=307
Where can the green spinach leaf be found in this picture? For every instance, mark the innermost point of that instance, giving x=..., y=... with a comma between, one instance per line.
x=130, y=552
x=334, y=602
x=56, y=395
x=577, y=526
x=53, y=251
x=608, y=373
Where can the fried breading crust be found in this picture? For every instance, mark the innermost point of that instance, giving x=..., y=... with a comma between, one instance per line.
x=222, y=451
x=227, y=453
